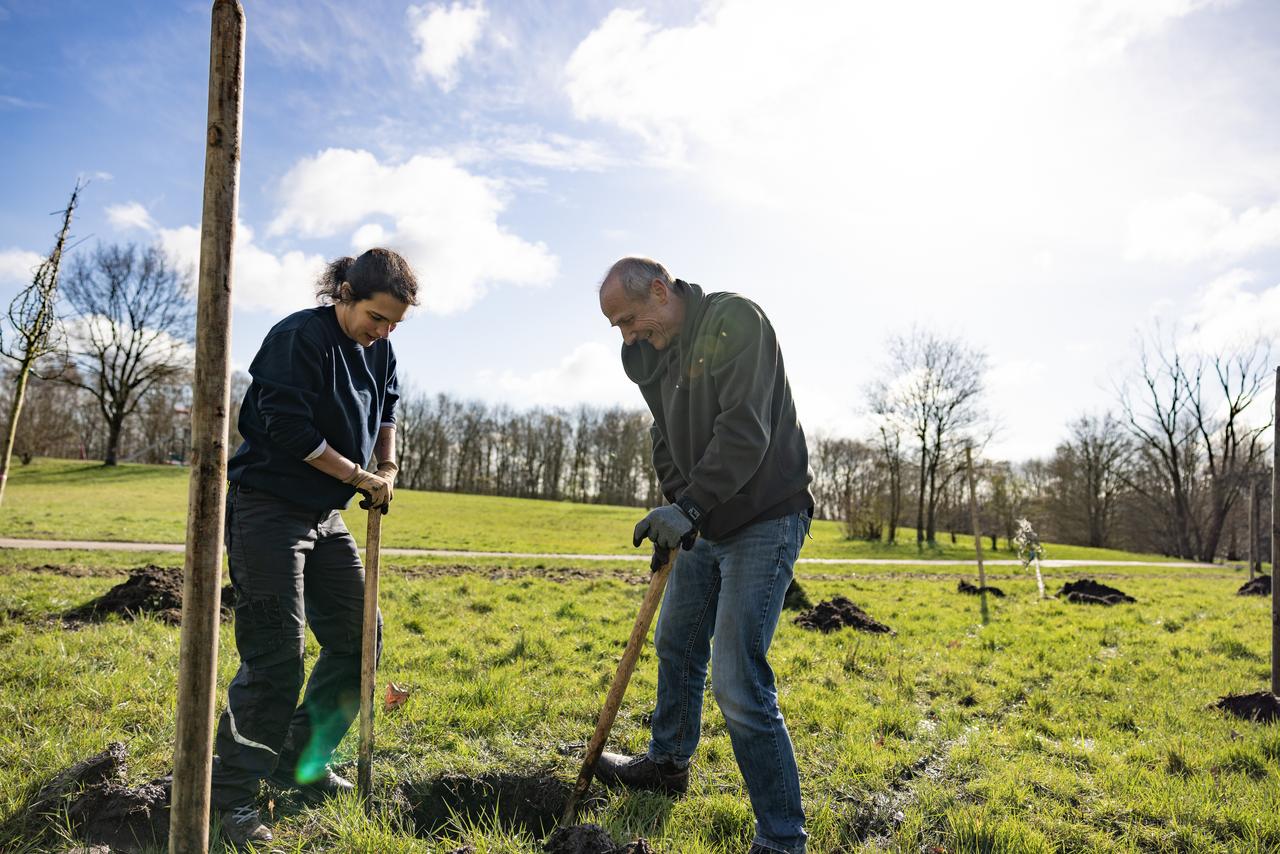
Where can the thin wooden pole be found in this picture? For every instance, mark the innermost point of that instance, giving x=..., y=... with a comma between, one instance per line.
x=1275, y=538
x=977, y=532
x=369, y=658
x=202, y=571
x=612, y=702
x=1255, y=553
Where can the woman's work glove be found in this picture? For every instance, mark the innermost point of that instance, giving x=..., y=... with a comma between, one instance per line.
x=375, y=487
x=388, y=470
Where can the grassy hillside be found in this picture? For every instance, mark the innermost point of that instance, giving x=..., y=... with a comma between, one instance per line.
x=64, y=499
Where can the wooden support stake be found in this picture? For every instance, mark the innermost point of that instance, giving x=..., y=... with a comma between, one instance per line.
x=1255, y=553
x=202, y=570
x=369, y=658
x=1275, y=538
x=977, y=532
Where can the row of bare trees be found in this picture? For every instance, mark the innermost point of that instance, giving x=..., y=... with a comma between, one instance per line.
x=102, y=364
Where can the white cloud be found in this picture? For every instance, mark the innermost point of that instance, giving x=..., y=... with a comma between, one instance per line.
x=17, y=265
x=445, y=35
x=1231, y=311
x=591, y=374
x=130, y=215
x=441, y=217
x=1193, y=227
x=262, y=280
x=536, y=147
x=858, y=117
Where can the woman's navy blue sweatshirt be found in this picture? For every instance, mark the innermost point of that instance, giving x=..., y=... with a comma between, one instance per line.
x=312, y=387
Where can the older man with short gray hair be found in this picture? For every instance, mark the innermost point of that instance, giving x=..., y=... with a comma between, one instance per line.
x=734, y=468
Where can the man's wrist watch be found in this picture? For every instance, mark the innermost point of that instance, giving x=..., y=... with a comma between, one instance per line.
x=691, y=509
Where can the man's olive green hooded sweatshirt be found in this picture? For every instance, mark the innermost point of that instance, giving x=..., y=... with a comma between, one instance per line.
x=724, y=425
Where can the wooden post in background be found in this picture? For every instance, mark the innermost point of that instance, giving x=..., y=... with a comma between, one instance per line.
x=202, y=571
x=977, y=532
x=1275, y=537
x=1255, y=551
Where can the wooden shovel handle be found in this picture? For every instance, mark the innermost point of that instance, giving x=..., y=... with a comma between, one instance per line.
x=369, y=658
x=639, y=632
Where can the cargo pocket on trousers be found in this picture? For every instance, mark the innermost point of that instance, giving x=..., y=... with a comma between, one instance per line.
x=258, y=627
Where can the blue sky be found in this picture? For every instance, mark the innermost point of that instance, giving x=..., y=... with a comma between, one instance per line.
x=1045, y=179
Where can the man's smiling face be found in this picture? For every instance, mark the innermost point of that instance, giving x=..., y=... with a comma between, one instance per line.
x=652, y=319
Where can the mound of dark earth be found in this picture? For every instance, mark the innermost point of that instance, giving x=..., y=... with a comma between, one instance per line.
x=1086, y=591
x=1263, y=707
x=974, y=590
x=531, y=803
x=1260, y=586
x=591, y=839
x=151, y=590
x=99, y=807
x=796, y=599
x=837, y=614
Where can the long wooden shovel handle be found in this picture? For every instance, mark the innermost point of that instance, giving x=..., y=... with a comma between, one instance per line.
x=639, y=632
x=369, y=658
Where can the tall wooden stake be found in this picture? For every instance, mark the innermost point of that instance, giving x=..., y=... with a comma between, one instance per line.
x=1255, y=552
x=977, y=532
x=1275, y=539
x=202, y=571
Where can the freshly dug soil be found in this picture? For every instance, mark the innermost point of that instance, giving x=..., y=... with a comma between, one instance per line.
x=591, y=839
x=101, y=809
x=1263, y=707
x=152, y=590
x=796, y=599
x=1086, y=591
x=580, y=839
x=973, y=590
x=530, y=803
x=1260, y=586
x=837, y=614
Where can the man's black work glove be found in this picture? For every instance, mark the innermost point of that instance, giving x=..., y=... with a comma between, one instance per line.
x=669, y=526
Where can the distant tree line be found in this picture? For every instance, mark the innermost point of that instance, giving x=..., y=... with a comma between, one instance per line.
x=1168, y=470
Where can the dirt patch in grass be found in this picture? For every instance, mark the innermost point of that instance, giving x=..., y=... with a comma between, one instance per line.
x=1263, y=706
x=556, y=574
x=532, y=803
x=974, y=590
x=839, y=613
x=151, y=590
x=591, y=839
x=99, y=807
x=796, y=599
x=1086, y=591
x=1260, y=586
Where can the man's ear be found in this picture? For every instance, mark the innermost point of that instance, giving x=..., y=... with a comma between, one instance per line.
x=658, y=290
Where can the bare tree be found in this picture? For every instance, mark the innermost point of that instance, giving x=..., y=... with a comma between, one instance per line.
x=1091, y=472
x=1197, y=436
x=36, y=329
x=135, y=325
x=932, y=391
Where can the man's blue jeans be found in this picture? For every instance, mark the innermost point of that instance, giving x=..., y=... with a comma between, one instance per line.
x=733, y=589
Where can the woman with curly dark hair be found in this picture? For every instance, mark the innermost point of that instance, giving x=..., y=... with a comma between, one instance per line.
x=321, y=405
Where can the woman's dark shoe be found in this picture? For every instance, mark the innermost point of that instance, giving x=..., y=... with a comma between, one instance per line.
x=641, y=772
x=242, y=827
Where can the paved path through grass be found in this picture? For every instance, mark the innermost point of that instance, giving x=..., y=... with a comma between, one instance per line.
x=95, y=545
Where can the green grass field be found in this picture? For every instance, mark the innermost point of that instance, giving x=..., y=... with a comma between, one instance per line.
x=64, y=499
x=1055, y=728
